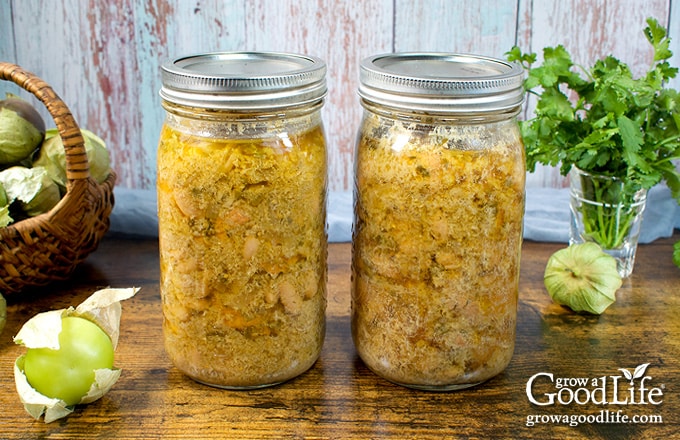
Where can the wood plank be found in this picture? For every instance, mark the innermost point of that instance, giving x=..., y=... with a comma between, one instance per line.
x=164, y=31
x=339, y=398
x=7, y=52
x=30, y=48
x=340, y=32
x=87, y=56
x=6, y=35
x=104, y=61
x=486, y=27
x=115, y=92
x=592, y=30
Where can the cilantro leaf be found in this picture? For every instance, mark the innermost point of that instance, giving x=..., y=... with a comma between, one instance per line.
x=556, y=105
x=601, y=118
x=632, y=140
x=656, y=35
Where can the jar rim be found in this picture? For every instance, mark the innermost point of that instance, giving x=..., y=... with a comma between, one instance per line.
x=441, y=82
x=244, y=80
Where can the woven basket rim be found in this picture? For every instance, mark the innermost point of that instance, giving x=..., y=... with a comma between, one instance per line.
x=50, y=245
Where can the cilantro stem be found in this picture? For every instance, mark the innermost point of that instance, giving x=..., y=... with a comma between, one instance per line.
x=666, y=159
x=608, y=212
x=668, y=140
x=585, y=71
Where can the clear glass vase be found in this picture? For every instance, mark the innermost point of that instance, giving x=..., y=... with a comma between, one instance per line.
x=608, y=211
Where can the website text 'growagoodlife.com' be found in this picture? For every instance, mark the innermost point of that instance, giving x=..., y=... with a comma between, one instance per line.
x=630, y=398
x=605, y=416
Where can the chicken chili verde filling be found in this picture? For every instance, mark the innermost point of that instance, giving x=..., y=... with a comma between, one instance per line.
x=243, y=254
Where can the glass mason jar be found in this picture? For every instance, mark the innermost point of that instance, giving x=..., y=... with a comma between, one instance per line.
x=439, y=204
x=241, y=210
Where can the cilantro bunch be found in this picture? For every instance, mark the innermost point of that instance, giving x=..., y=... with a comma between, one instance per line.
x=603, y=120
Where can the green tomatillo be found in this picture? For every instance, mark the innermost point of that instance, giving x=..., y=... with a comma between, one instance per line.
x=583, y=278
x=69, y=356
x=21, y=130
x=68, y=372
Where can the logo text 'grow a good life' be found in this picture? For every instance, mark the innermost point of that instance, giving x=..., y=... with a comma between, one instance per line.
x=630, y=388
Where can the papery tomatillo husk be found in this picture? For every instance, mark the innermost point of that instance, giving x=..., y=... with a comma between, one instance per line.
x=582, y=277
x=32, y=187
x=5, y=217
x=42, y=331
x=22, y=129
x=53, y=157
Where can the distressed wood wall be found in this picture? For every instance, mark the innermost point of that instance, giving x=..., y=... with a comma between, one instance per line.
x=103, y=57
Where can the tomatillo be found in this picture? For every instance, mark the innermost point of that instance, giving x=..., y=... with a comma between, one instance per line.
x=67, y=373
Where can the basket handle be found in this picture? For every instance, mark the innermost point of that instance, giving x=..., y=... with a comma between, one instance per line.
x=77, y=166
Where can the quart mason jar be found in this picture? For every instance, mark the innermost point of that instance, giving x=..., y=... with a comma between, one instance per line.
x=241, y=211
x=439, y=203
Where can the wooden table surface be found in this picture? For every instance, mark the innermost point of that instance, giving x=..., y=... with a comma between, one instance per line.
x=340, y=399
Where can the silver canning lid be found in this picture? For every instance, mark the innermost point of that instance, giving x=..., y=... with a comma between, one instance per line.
x=441, y=82
x=244, y=80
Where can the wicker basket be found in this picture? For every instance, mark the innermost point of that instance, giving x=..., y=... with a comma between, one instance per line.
x=48, y=247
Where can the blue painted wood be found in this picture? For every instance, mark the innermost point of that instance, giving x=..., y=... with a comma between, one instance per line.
x=103, y=58
x=6, y=31
x=484, y=27
x=7, y=48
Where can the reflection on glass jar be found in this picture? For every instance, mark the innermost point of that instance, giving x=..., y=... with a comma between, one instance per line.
x=607, y=211
x=439, y=202
x=241, y=206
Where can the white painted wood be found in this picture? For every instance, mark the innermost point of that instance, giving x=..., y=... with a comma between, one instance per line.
x=594, y=29
x=103, y=59
x=341, y=32
x=484, y=27
x=673, y=27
